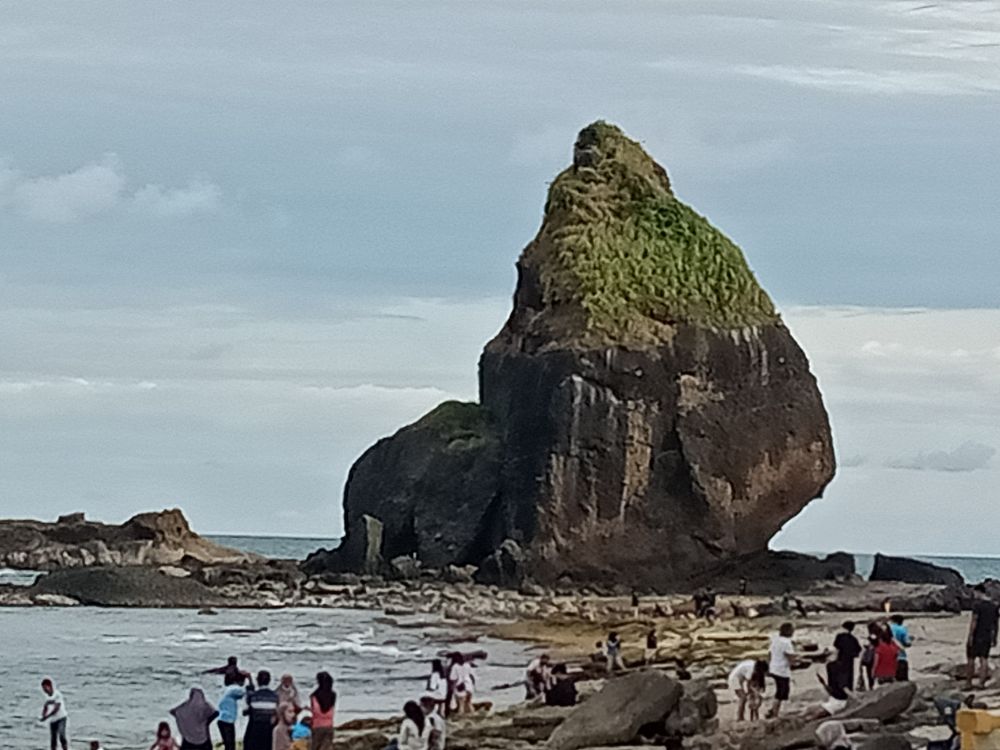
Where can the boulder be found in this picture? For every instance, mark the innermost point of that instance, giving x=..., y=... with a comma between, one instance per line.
x=886, y=742
x=614, y=715
x=907, y=570
x=504, y=567
x=124, y=587
x=697, y=707
x=644, y=414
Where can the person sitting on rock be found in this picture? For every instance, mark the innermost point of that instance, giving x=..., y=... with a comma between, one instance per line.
x=562, y=691
x=537, y=677
x=436, y=728
x=613, y=651
x=412, y=734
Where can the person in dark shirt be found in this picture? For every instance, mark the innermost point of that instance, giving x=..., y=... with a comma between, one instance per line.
x=848, y=650
x=982, y=636
x=230, y=672
x=563, y=689
x=262, y=704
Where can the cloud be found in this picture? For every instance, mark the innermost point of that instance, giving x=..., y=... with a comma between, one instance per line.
x=969, y=456
x=70, y=196
x=97, y=188
x=200, y=196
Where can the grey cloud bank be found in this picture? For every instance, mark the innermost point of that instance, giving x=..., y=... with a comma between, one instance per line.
x=238, y=244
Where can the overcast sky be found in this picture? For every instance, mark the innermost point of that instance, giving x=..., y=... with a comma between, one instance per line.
x=240, y=242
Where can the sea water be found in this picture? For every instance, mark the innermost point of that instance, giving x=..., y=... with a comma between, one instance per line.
x=121, y=670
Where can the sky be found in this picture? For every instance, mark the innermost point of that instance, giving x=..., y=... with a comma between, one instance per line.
x=239, y=243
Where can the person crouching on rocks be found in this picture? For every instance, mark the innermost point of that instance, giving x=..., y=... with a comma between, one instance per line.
x=537, y=677
x=783, y=658
x=747, y=681
x=562, y=691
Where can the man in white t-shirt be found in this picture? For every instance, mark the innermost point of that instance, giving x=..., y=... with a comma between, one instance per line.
x=54, y=713
x=782, y=659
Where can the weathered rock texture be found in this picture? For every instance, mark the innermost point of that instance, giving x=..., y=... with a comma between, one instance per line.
x=645, y=415
x=908, y=570
x=162, y=538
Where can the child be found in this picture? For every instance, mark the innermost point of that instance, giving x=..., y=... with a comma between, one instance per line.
x=614, y=653
x=164, y=739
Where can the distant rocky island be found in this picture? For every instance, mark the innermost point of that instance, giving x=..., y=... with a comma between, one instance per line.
x=645, y=417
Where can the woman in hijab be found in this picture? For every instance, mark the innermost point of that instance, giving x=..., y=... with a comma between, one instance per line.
x=194, y=717
x=284, y=720
x=322, y=701
x=288, y=692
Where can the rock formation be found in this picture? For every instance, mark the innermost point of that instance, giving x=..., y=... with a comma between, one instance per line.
x=907, y=570
x=644, y=413
x=163, y=538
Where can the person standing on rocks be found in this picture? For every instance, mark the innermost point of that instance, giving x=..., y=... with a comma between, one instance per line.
x=901, y=635
x=322, y=702
x=651, y=647
x=886, y=664
x=613, y=651
x=437, y=686
x=848, y=650
x=54, y=713
x=462, y=680
x=983, y=629
x=782, y=659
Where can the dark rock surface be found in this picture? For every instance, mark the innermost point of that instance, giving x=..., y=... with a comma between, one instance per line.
x=161, y=538
x=645, y=413
x=907, y=570
x=614, y=715
x=113, y=586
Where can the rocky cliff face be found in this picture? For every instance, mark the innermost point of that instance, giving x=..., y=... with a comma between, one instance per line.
x=162, y=538
x=649, y=416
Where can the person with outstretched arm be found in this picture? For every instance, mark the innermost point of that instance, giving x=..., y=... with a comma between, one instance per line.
x=230, y=671
x=54, y=713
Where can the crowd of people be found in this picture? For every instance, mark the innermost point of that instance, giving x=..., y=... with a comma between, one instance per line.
x=282, y=717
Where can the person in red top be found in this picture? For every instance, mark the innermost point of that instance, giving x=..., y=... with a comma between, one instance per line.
x=886, y=658
x=322, y=702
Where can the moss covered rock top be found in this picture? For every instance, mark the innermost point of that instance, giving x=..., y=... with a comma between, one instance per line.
x=458, y=420
x=618, y=247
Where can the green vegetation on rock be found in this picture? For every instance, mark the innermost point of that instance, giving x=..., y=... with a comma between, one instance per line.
x=458, y=420
x=618, y=244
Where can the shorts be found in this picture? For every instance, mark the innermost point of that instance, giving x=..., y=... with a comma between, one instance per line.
x=57, y=730
x=782, y=687
x=833, y=706
x=979, y=649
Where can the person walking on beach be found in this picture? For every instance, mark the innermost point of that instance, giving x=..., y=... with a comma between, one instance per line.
x=164, y=739
x=322, y=703
x=782, y=659
x=262, y=704
x=463, y=683
x=229, y=708
x=848, y=650
x=747, y=681
x=901, y=635
x=437, y=686
x=613, y=651
x=54, y=713
x=983, y=629
x=194, y=719
x=886, y=663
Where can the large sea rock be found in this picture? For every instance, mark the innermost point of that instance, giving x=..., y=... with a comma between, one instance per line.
x=644, y=415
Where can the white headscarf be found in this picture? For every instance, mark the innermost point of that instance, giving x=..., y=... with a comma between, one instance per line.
x=832, y=736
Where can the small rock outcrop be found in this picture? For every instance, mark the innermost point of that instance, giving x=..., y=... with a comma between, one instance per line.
x=908, y=570
x=162, y=538
x=119, y=586
x=644, y=413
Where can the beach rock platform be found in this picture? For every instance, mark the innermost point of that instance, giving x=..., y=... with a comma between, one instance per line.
x=160, y=538
x=644, y=414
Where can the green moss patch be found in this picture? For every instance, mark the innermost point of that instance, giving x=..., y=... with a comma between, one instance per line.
x=618, y=244
x=458, y=420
